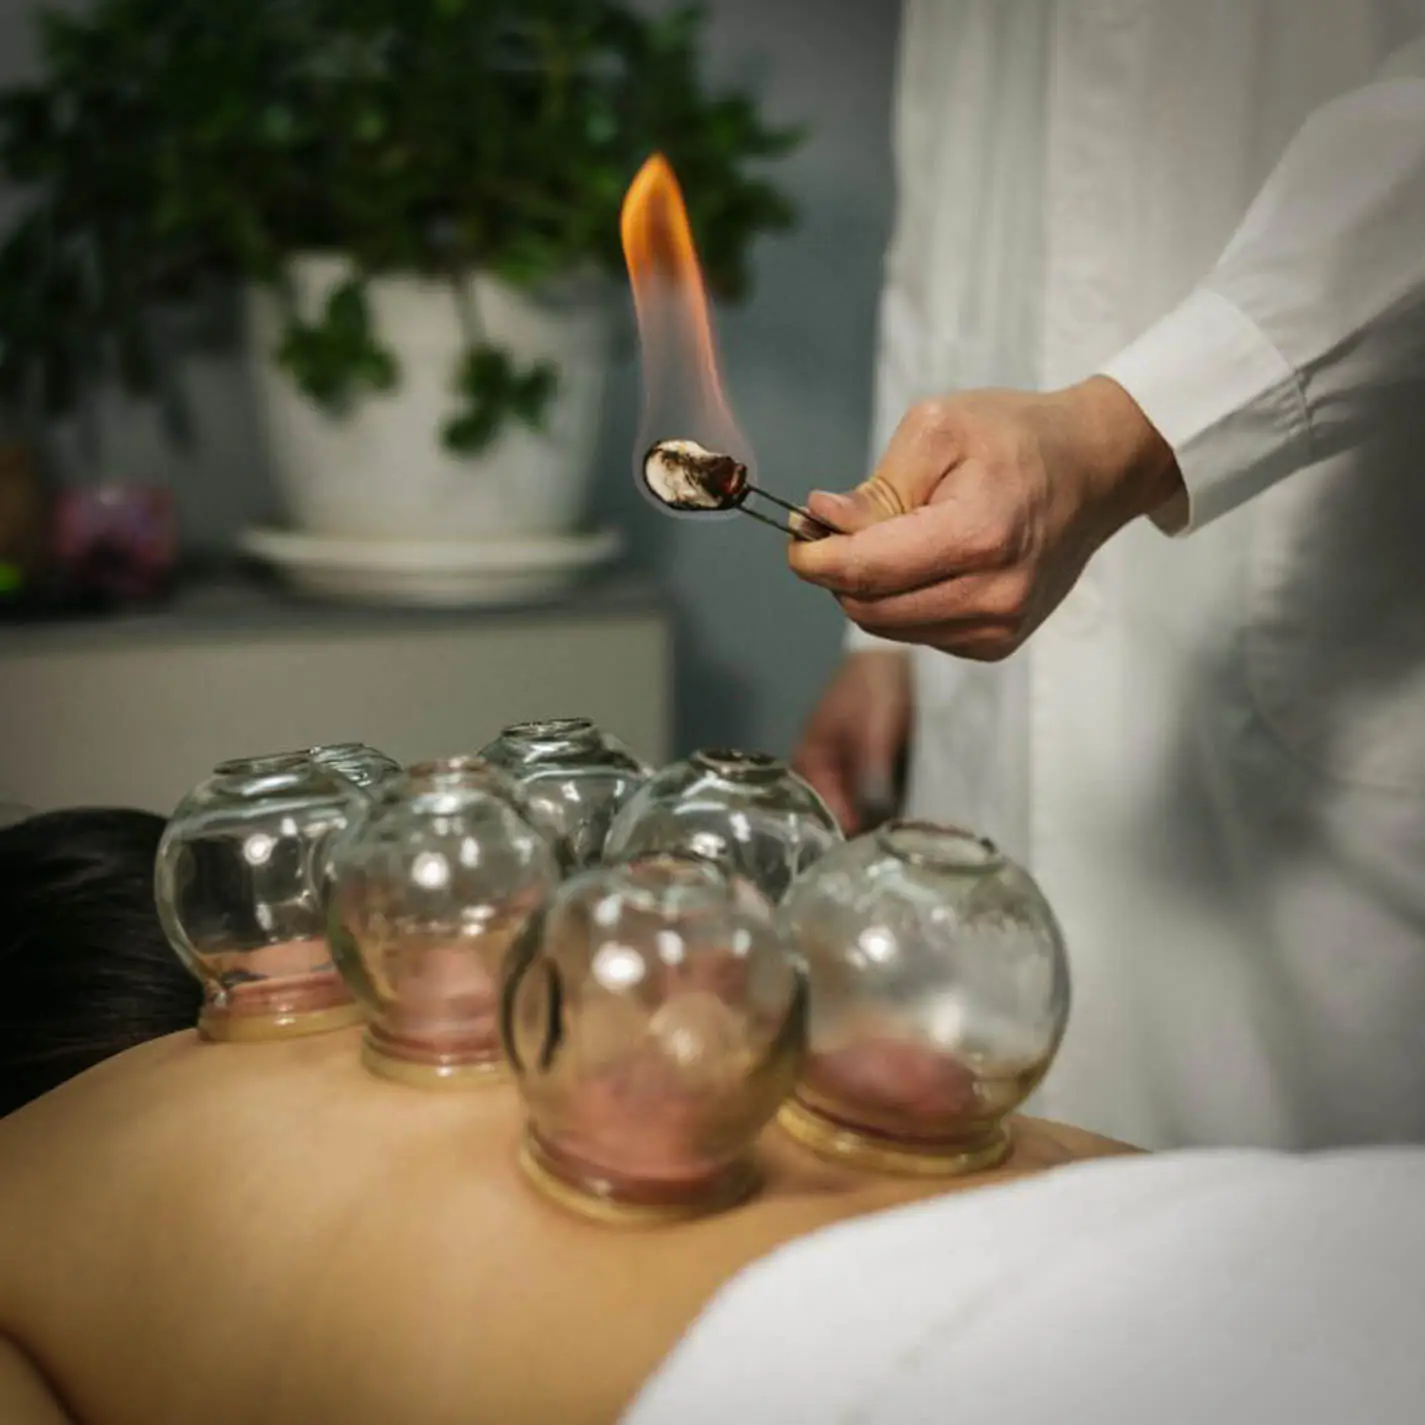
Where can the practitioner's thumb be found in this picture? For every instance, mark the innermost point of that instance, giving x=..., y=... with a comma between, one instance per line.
x=869, y=503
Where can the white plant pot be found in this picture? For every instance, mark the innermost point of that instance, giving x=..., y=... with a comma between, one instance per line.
x=380, y=472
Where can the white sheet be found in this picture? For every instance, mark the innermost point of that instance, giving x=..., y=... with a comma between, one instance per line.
x=1207, y=1288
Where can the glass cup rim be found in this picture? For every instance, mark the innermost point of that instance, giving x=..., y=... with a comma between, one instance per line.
x=737, y=765
x=464, y=763
x=548, y=729
x=264, y=764
x=942, y=846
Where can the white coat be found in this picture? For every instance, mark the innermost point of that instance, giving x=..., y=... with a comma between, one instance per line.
x=1212, y=755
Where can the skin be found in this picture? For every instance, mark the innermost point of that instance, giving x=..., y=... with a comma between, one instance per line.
x=983, y=512
x=231, y=1233
x=856, y=731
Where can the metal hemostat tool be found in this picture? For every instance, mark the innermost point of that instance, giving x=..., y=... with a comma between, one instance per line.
x=803, y=525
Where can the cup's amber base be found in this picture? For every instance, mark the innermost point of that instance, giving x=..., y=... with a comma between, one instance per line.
x=839, y=1143
x=223, y=1026
x=716, y=1193
x=387, y=1062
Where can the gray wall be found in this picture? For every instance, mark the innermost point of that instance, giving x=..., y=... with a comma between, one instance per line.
x=754, y=645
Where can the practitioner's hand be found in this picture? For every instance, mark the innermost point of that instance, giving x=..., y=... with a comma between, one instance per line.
x=856, y=732
x=983, y=512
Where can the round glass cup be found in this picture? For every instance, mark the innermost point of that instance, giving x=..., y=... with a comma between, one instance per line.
x=939, y=996
x=239, y=891
x=655, y=1021
x=429, y=890
x=746, y=811
x=576, y=776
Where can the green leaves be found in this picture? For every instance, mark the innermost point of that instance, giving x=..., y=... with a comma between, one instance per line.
x=172, y=143
x=336, y=358
x=492, y=390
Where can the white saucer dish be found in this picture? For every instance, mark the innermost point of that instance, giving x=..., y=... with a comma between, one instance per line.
x=429, y=573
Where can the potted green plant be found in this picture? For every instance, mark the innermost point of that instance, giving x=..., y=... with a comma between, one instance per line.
x=420, y=198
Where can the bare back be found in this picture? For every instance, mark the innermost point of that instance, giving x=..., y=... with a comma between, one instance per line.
x=265, y=1232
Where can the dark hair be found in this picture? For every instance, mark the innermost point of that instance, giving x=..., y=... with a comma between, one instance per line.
x=85, y=969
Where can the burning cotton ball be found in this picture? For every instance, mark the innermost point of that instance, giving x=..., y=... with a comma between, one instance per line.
x=686, y=476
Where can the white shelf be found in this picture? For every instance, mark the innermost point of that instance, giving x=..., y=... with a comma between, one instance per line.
x=133, y=710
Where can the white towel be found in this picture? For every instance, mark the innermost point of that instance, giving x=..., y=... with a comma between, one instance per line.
x=1202, y=1288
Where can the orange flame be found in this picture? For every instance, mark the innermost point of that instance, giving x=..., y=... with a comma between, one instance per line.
x=682, y=384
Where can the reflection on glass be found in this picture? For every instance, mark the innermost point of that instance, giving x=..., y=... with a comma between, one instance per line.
x=655, y=1021
x=575, y=776
x=748, y=812
x=940, y=993
x=428, y=892
x=238, y=885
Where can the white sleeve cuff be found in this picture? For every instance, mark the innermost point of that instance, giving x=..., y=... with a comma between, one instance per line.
x=1226, y=400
